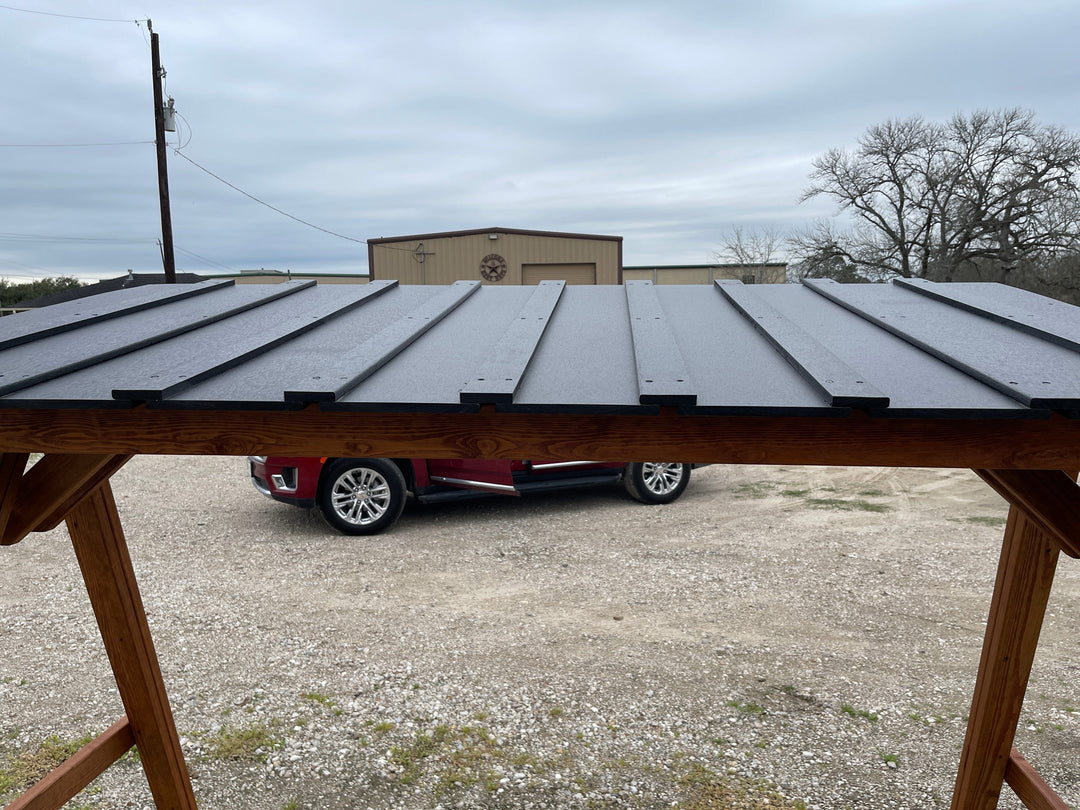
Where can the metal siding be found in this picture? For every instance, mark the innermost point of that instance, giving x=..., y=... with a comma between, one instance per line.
x=458, y=257
x=682, y=276
x=583, y=273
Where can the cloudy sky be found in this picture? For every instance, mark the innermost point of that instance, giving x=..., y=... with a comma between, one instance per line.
x=665, y=123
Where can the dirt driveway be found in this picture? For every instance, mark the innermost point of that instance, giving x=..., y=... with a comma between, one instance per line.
x=780, y=637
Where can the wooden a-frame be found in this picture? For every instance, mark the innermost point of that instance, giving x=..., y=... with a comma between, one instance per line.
x=1025, y=461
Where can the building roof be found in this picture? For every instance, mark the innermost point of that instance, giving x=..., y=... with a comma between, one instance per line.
x=710, y=266
x=107, y=285
x=900, y=350
x=476, y=231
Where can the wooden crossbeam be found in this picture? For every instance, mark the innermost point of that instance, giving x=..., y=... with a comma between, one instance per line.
x=49, y=489
x=1049, y=497
x=1029, y=786
x=78, y=770
x=96, y=534
x=1034, y=444
x=1025, y=574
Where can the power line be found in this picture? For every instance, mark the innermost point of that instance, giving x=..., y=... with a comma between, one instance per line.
x=57, y=145
x=263, y=202
x=68, y=16
x=210, y=262
x=43, y=237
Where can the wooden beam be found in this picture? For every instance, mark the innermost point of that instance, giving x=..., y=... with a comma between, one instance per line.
x=1049, y=497
x=51, y=487
x=857, y=440
x=11, y=472
x=78, y=771
x=98, y=538
x=1029, y=787
x=1025, y=575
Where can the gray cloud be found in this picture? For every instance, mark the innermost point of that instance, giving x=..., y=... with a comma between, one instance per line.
x=662, y=123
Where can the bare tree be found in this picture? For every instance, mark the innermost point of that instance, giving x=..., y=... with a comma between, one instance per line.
x=753, y=248
x=984, y=193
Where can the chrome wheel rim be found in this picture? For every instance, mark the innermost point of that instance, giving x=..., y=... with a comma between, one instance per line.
x=360, y=496
x=661, y=478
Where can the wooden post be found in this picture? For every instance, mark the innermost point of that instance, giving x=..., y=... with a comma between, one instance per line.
x=98, y=538
x=1025, y=574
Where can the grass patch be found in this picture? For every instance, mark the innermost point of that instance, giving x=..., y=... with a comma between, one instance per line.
x=409, y=757
x=320, y=698
x=252, y=743
x=986, y=520
x=857, y=505
x=746, y=708
x=755, y=489
x=28, y=767
x=857, y=713
x=708, y=790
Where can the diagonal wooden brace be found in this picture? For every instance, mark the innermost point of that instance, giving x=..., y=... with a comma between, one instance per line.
x=83, y=767
x=1025, y=575
x=1051, y=498
x=98, y=538
x=11, y=472
x=1029, y=787
x=40, y=499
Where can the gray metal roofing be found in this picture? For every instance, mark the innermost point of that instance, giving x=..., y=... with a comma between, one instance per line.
x=906, y=349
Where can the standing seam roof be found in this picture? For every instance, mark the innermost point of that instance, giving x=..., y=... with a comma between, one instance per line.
x=899, y=350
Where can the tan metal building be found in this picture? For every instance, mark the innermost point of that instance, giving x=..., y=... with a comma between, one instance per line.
x=772, y=273
x=497, y=256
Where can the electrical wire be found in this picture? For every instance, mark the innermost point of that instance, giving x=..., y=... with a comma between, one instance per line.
x=210, y=262
x=67, y=16
x=187, y=124
x=263, y=202
x=42, y=237
x=65, y=145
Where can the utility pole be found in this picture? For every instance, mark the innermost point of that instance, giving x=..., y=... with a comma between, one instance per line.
x=168, y=260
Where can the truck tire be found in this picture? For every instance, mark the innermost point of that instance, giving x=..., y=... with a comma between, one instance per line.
x=361, y=495
x=655, y=481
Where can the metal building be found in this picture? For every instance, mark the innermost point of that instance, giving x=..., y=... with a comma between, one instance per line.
x=768, y=273
x=503, y=256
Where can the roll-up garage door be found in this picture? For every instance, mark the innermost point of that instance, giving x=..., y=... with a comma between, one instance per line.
x=579, y=273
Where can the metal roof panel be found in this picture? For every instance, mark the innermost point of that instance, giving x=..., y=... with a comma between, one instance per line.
x=967, y=351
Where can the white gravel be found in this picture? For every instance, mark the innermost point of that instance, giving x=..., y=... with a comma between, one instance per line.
x=767, y=632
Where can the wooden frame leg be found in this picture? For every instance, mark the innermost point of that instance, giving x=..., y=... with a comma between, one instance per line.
x=1025, y=573
x=98, y=538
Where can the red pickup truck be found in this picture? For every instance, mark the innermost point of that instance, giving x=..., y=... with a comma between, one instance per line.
x=366, y=495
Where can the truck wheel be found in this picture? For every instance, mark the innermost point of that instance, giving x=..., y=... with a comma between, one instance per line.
x=361, y=495
x=655, y=481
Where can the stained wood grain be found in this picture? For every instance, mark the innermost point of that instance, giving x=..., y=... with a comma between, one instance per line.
x=1025, y=574
x=78, y=771
x=1031, y=789
x=11, y=471
x=98, y=539
x=857, y=440
x=1049, y=497
x=52, y=487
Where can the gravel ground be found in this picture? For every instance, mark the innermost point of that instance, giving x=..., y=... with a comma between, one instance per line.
x=780, y=637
